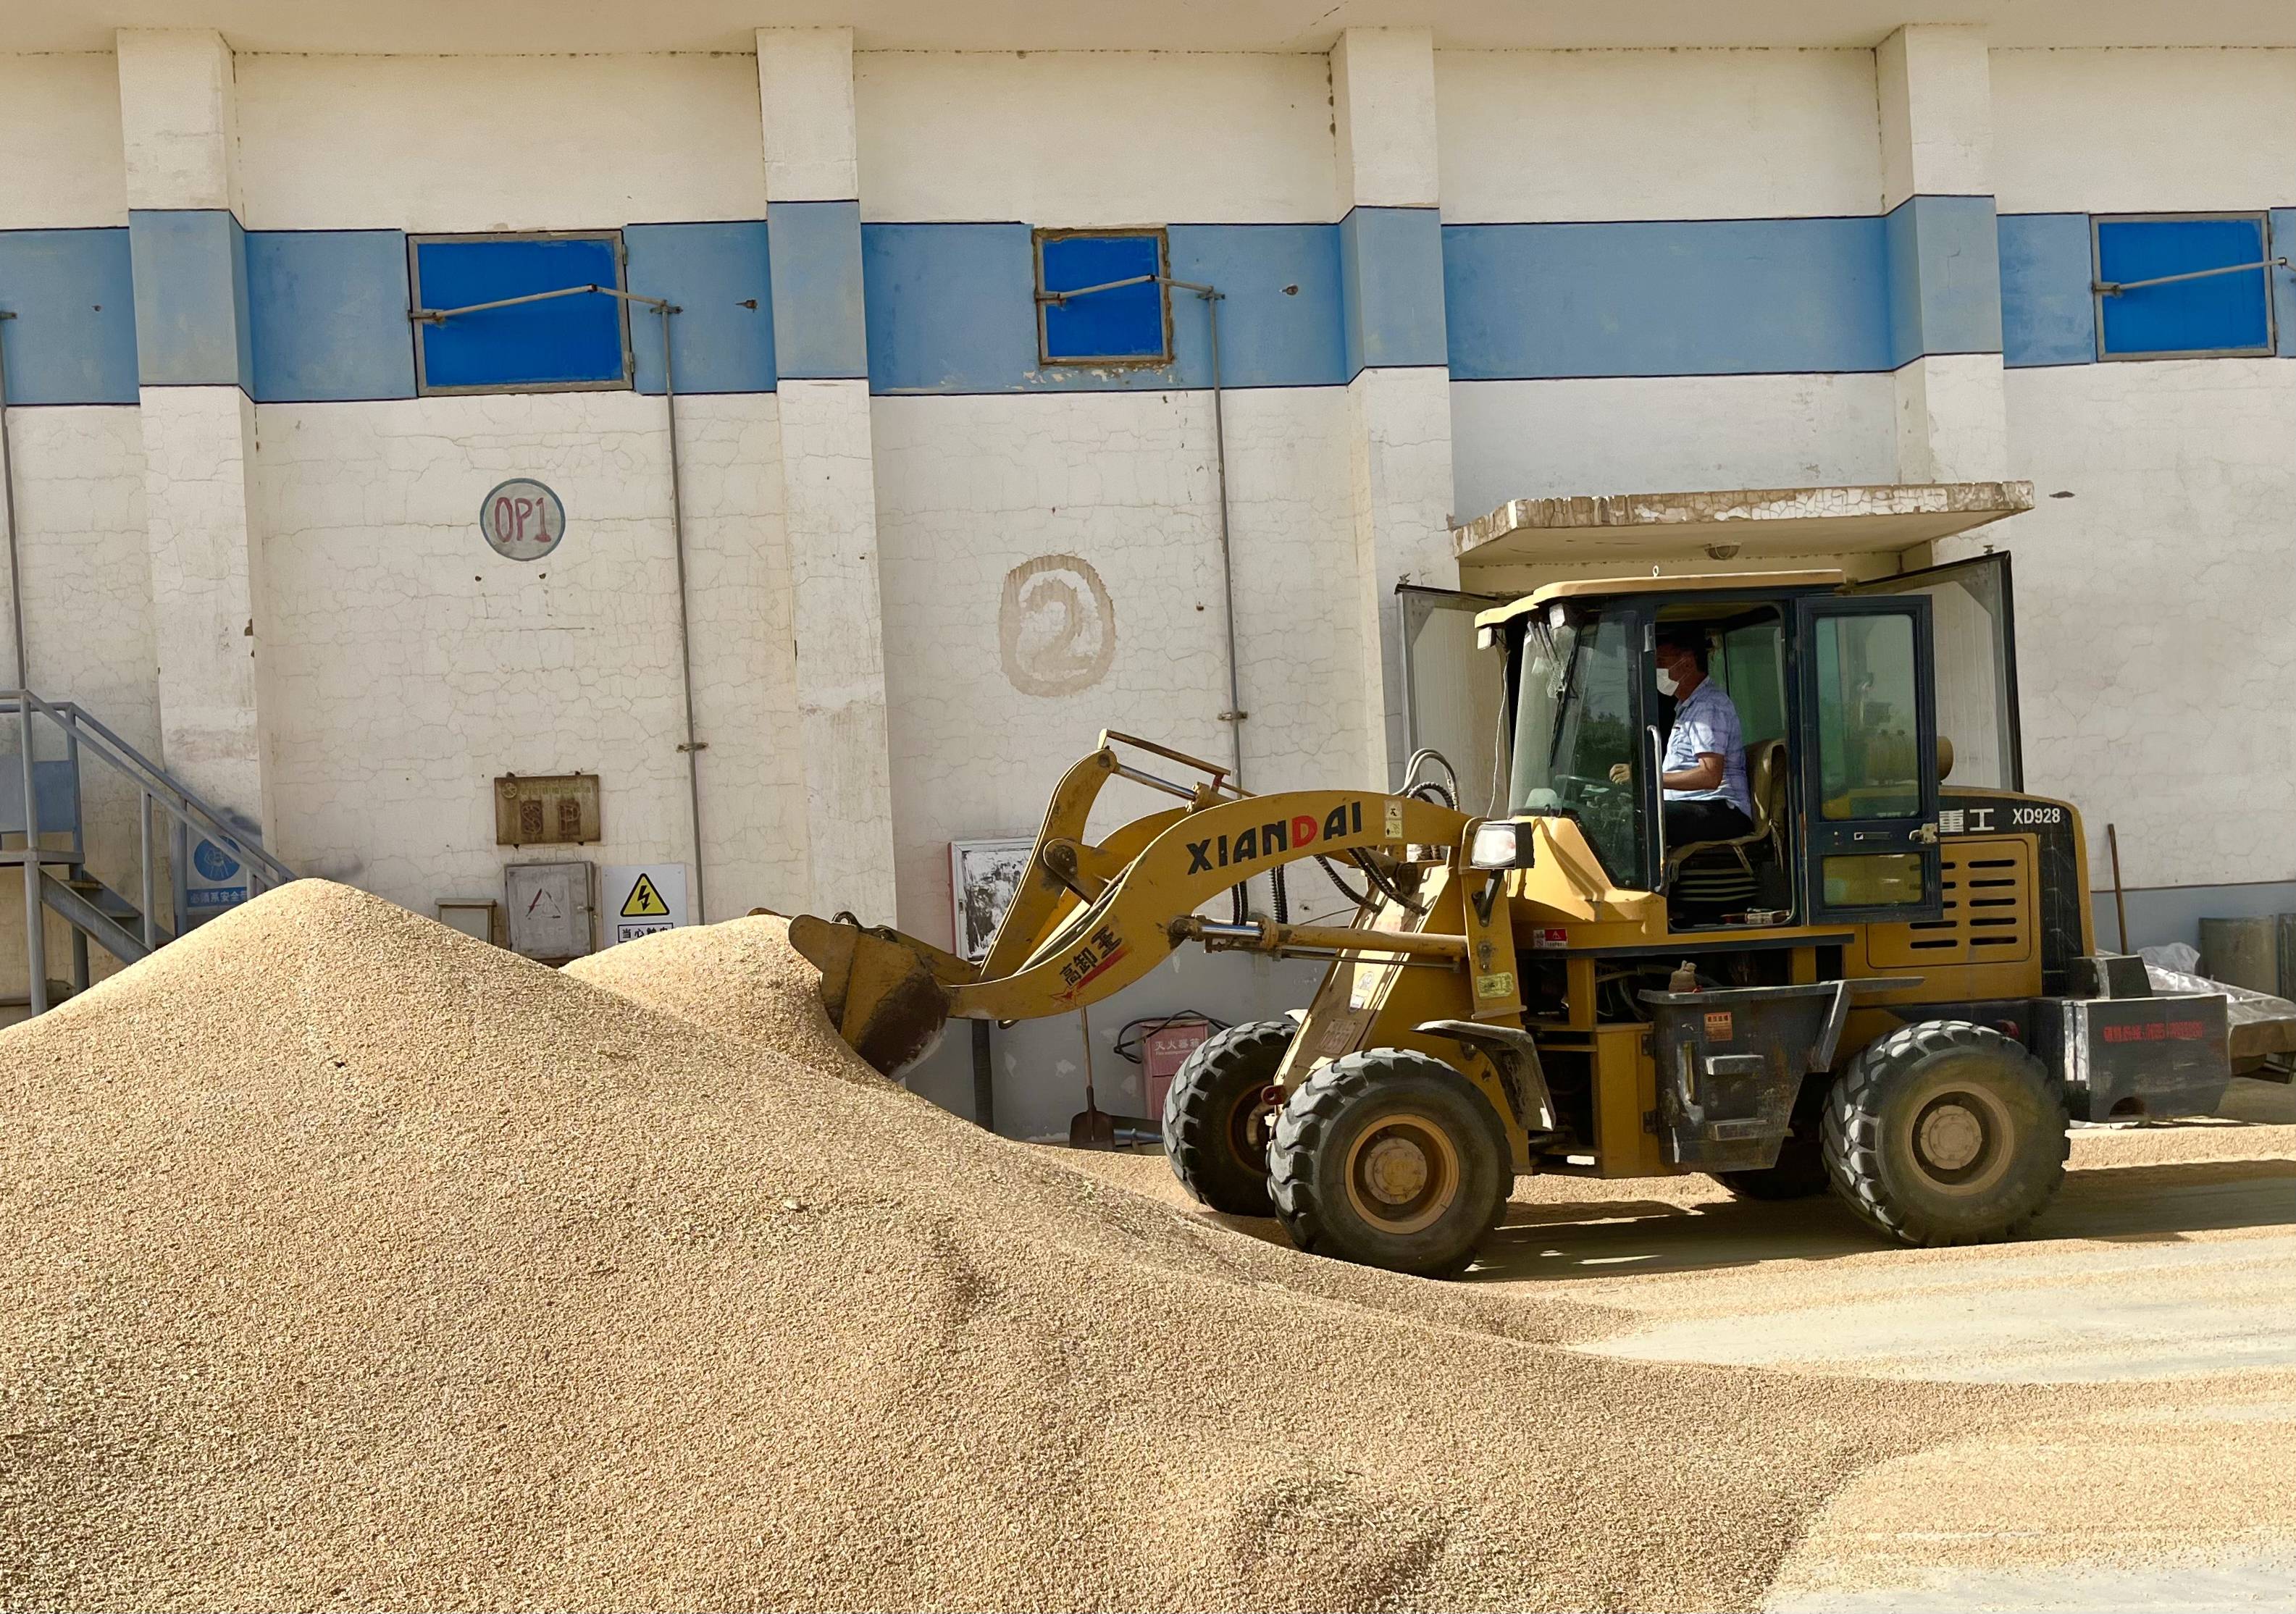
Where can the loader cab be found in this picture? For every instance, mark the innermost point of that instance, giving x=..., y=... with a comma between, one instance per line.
x=1836, y=689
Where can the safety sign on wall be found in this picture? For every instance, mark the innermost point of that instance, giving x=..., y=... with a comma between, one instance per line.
x=641, y=898
x=215, y=881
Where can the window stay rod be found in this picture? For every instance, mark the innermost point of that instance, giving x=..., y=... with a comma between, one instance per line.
x=2114, y=288
x=1206, y=292
x=440, y=317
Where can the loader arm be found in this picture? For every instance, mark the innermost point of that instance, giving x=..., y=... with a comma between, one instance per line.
x=1129, y=927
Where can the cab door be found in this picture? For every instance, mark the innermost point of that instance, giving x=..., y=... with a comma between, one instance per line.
x=1866, y=688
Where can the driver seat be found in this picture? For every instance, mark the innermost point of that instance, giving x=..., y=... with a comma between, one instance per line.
x=1718, y=884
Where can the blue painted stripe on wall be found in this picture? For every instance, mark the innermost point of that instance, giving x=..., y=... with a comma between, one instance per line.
x=820, y=330
x=709, y=271
x=2048, y=316
x=73, y=294
x=952, y=309
x=1945, y=276
x=1391, y=288
x=192, y=322
x=1723, y=297
x=329, y=311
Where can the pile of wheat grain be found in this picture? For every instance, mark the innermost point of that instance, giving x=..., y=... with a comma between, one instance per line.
x=350, y=1262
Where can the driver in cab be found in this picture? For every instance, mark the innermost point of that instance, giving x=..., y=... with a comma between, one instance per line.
x=1704, y=792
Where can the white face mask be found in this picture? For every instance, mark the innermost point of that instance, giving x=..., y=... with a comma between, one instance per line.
x=1666, y=683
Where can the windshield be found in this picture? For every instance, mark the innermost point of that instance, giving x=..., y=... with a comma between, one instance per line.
x=1574, y=723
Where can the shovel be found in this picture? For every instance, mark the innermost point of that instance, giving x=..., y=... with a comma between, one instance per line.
x=1089, y=1128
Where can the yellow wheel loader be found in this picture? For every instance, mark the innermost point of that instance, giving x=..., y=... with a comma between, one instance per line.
x=1888, y=988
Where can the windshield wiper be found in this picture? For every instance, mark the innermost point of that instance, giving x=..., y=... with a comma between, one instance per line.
x=1562, y=702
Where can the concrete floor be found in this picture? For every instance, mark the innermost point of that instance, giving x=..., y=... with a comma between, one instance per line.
x=2161, y=1288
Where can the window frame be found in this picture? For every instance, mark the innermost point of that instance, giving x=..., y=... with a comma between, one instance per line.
x=1135, y=361
x=422, y=386
x=2261, y=218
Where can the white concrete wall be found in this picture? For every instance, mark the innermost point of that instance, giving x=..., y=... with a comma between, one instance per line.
x=970, y=489
x=87, y=610
x=60, y=142
x=2153, y=608
x=1085, y=138
x=410, y=665
x=1532, y=136
x=1534, y=439
x=1657, y=134
x=497, y=143
x=2108, y=131
x=2153, y=602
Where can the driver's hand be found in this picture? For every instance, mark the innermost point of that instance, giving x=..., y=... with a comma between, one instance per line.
x=1620, y=772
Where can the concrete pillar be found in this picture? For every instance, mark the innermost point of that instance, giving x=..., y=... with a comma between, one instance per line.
x=1945, y=279
x=813, y=233
x=189, y=255
x=1399, y=393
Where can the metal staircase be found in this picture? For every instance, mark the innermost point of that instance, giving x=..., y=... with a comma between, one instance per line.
x=186, y=851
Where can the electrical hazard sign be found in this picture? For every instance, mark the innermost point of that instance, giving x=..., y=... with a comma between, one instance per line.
x=643, y=899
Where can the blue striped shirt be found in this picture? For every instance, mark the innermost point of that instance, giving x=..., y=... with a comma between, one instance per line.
x=1706, y=722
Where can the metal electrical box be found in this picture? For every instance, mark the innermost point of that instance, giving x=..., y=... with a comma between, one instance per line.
x=548, y=905
x=546, y=810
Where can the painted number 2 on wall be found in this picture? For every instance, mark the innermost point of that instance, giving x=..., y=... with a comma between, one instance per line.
x=522, y=519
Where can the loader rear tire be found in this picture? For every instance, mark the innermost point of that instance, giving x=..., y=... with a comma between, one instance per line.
x=1391, y=1158
x=1216, y=1128
x=1945, y=1132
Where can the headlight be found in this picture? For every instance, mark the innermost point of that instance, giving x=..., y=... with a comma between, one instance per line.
x=1494, y=846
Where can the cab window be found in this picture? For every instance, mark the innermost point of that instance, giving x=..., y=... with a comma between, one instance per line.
x=1869, y=765
x=1574, y=724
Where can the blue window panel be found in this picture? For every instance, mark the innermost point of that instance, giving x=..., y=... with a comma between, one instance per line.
x=1123, y=324
x=2222, y=314
x=565, y=342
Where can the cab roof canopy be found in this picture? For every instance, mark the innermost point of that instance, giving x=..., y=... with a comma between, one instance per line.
x=1598, y=588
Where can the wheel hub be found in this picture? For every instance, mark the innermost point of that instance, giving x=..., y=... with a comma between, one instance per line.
x=1396, y=1170
x=1951, y=1137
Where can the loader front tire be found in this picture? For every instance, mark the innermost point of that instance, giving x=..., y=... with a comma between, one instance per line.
x=1391, y=1158
x=1945, y=1132
x=1215, y=1124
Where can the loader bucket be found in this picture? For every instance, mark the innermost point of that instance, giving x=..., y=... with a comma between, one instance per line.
x=881, y=996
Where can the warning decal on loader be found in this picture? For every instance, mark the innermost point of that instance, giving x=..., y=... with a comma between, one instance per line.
x=645, y=898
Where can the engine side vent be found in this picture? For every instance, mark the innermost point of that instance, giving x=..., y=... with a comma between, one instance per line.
x=1989, y=916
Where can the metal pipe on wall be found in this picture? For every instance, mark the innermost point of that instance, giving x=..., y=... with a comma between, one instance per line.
x=36, y=930
x=8, y=493
x=694, y=746
x=1211, y=297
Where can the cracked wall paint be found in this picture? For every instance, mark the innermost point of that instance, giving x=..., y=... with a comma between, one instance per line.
x=497, y=143
x=1087, y=138
x=1656, y=134
x=1400, y=491
x=834, y=539
x=2152, y=607
x=1687, y=434
x=410, y=665
x=969, y=489
x=2107, y=131
x=59, y=142
x=88, y=632
x=205, y=571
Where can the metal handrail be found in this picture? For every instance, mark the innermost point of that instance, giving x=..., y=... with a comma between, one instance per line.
x=190, y=814
x=195, y=811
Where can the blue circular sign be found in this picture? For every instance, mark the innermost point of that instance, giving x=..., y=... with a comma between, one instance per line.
x=213, y=862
